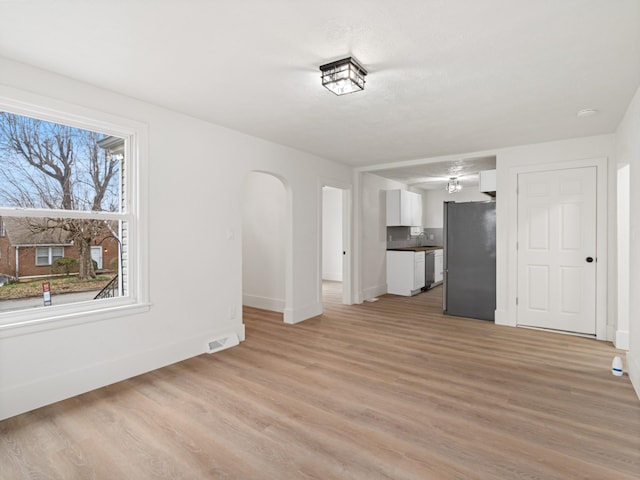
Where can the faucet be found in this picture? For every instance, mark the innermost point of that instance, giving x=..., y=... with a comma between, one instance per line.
x=421, y=234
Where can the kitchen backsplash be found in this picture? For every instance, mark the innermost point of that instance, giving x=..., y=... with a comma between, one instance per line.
x=397, y=237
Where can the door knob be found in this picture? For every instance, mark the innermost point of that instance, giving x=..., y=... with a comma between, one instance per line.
x=589, y=259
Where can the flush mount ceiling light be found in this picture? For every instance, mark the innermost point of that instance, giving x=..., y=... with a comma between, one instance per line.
x=343, y=76
x=453, y=185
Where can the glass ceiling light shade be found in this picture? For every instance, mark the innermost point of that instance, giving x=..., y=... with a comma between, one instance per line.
x=453, y=186
x=343, y=76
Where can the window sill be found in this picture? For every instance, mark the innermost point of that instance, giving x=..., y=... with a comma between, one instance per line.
x=66, y=317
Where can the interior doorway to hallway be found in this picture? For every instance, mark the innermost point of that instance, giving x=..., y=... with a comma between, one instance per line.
x=335, y=239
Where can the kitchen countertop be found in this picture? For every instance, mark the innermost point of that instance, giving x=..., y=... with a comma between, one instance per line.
x=414, y=249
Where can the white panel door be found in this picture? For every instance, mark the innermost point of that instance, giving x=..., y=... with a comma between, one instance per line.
x=557, y=250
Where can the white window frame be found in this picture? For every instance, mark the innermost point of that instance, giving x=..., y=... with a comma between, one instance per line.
x=50, y=259
x=135, y=134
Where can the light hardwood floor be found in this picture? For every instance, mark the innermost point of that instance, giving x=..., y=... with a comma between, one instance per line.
x=384, y=390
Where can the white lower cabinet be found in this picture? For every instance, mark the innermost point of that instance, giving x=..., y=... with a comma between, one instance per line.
x=438, y=266
x=405, y=272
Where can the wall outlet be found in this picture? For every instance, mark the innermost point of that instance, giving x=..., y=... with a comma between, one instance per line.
x=232, y=313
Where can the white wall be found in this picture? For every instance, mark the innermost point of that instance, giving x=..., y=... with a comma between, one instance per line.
x=628, y=153
x=263, y=242
x=332, y=247
x=621, y=337
x=432, y=203
x=373, y=234
x=196, y=175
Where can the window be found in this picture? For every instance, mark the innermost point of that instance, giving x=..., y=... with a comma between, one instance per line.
x=70, y=185
x=48, y=255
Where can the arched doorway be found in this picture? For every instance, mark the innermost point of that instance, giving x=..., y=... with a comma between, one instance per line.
x=264, y=242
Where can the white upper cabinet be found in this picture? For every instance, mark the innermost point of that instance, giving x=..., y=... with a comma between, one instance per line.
x=488, y=181
x=404, y=208
x=415, y=200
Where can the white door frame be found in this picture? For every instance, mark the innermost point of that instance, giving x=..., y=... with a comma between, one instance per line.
x=347, y=194
x=511, y=196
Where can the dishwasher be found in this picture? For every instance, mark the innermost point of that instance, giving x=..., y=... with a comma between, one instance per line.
x=429, y=270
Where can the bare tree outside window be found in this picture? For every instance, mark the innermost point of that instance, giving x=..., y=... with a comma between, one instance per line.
x=50, y=166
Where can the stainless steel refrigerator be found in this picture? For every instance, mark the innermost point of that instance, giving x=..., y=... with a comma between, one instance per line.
x=470, y=259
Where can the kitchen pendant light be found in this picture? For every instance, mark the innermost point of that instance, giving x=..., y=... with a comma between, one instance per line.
x=343, y=76
x=453, y=186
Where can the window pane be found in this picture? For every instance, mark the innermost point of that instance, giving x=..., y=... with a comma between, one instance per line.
x=74, y=277
x=56, y=253
x=42, y=256
x=52, y=166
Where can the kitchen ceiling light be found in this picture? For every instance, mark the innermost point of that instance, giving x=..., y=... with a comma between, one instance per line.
x=453, y=185
x=343, y=76
x=587, y=112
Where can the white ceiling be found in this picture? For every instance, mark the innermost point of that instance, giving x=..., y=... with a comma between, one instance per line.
x=445, y=76
x=429, y=176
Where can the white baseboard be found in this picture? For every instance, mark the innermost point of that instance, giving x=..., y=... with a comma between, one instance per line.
x=633, y=369
x=263, y=303
x=44, y=391
x=621, y=339
x=332, y=276
x=501, y=317
x=298, y=315
x=241, y=333
x=374, y=291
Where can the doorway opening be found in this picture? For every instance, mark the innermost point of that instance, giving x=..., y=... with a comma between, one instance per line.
x=264, y=241
x=334, y=251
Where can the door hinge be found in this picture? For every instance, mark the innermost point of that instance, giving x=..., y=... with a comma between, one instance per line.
x=516, y=300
